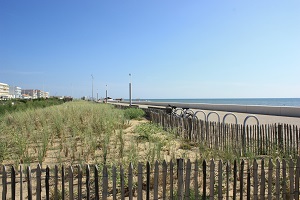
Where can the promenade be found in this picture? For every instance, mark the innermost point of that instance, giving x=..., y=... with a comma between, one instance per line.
x=263, y=119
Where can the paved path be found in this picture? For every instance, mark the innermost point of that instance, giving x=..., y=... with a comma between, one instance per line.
x=263, y=119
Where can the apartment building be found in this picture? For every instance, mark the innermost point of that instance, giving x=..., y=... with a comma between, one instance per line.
x=4, y=91
x=30, y=93
x=15, y=92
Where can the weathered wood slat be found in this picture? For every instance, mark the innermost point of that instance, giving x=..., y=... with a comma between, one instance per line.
x=255, y=179
x=284, y=194
x=13, y=183
x=96, y=178
x=148, y=181
x=297, y=178
x=21, y=182
x=140, y=182
x=56, y=182
x=63, y=182
x=114, y=177
x=270, y=177
x=248, y=181
x=187, y=179
x=212, y=180
x=71, y=185
x=196, y=185
x=164, y=177
x=180, y=179
x=220, y=180
x=277, y=182
x=156, y=175
x=29, y=184
x=263, y=180
x=122, y=183
x=47, y=182
x=104, y=183
x=227, y=180
x=234, y=180
x=130, y=180
x=204, y=179
x=38, y=182
x=171, y=180
x=79, y=188
x=4, y=183
x=88, y=181
x=242, y=179
x=291, y=177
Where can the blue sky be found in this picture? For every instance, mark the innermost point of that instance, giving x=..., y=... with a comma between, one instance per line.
x=172, y=48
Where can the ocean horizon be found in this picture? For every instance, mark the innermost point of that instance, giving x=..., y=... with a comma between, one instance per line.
x=292, y=102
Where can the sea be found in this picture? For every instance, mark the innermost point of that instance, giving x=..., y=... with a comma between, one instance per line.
x=291, y=102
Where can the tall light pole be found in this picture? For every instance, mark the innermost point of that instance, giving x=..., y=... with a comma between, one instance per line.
x=92, y=87
x=106, y=94
x=130, y=97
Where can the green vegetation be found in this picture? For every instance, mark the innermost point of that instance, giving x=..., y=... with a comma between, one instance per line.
x=134, y=113
x=22, y=104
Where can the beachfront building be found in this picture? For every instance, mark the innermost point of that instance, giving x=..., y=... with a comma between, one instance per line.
x=46, y=95
x=40, y=94
x=4, y=91
x=30, y=93
x=15, y=92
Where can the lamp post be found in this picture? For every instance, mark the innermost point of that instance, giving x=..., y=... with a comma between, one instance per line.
x=106, y=94
x=92, y=87
x=130, y=99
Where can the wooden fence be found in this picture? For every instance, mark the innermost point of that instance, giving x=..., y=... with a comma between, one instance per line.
x=257, y=179
x=262, y=140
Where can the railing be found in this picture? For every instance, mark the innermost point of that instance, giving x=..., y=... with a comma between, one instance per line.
x=257, y=179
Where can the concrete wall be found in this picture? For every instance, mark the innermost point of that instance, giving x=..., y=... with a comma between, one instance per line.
x=265, y=110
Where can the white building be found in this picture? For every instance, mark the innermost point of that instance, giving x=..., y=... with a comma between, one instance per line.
x=30, y=93
x=4, y=91
x=15, y=92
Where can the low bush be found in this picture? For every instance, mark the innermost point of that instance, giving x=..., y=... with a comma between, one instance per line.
x=134, y=113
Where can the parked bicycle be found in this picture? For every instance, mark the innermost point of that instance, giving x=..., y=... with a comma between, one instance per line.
x=180, y=112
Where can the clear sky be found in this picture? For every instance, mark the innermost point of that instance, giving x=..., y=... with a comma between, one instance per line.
x=172, y=48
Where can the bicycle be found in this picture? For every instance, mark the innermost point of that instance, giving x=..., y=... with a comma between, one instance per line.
x=180, y=112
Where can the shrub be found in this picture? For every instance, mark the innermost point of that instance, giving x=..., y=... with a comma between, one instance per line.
x=134, y=113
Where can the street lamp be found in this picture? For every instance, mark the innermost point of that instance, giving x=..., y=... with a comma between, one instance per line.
x=130, y=99
x=106, y=94
x=92, y=87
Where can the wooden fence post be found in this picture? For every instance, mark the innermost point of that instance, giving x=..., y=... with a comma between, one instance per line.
x=122, y=182
x=156, y=175
x=297, y=178
x=270, y=182
x=263, y=180
x=284, y=195
x=234, y=179
x=277, y=182
x=291, y=175
x=255, y=179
